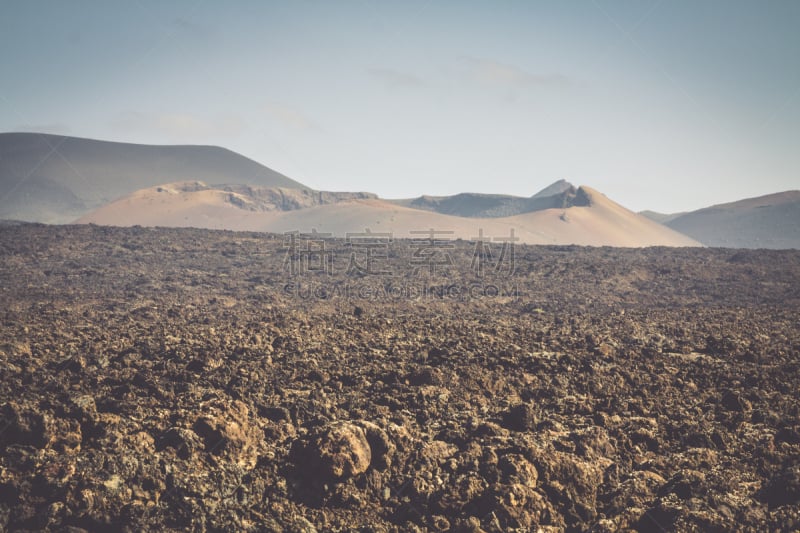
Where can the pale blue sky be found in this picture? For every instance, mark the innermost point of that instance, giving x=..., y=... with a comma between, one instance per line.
x=665, y=105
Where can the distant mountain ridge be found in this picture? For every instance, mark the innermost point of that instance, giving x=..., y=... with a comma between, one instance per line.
x=55, y=178
x=661, y=218
x=559, y=195
x=263, y=199
x=769, y=221
x=59, y=179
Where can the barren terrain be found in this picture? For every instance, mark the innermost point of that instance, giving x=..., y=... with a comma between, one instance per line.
x=184, y=379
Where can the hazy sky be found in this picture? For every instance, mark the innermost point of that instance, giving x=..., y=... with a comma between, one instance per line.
x=666, y=105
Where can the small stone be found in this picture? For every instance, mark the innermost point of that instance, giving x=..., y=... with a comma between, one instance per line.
x=425, y=376
x=520, y=417
x=85, y=407
x=184, y=441
x=381, y=447
x=783, y=489
x=437, y=452
x=302, y=525
x=440, y=523
x=733, y=401
x=516, y=469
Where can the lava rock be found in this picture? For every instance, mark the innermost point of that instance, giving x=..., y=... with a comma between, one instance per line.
x=733, y=401
x=184, y=441
x=381, y=446
x=783, y=489
x=337, y=451
x=226, y=430
x=516, y=469
x=520, y=417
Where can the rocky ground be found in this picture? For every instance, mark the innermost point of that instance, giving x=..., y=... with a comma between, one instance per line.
x=181, y=379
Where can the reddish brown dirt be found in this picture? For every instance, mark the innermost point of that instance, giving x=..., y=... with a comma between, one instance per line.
x=176, y=380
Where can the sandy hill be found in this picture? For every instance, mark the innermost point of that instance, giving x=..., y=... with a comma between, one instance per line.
x=52, y=178
x=593, y=219
x=771, y=221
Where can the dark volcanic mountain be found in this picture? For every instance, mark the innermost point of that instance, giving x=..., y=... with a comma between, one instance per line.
x=56, y=179
x=771, y=221
x=559, y=195
x=554, y=188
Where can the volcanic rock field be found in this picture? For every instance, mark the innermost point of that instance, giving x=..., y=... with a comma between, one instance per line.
x=182, y=379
